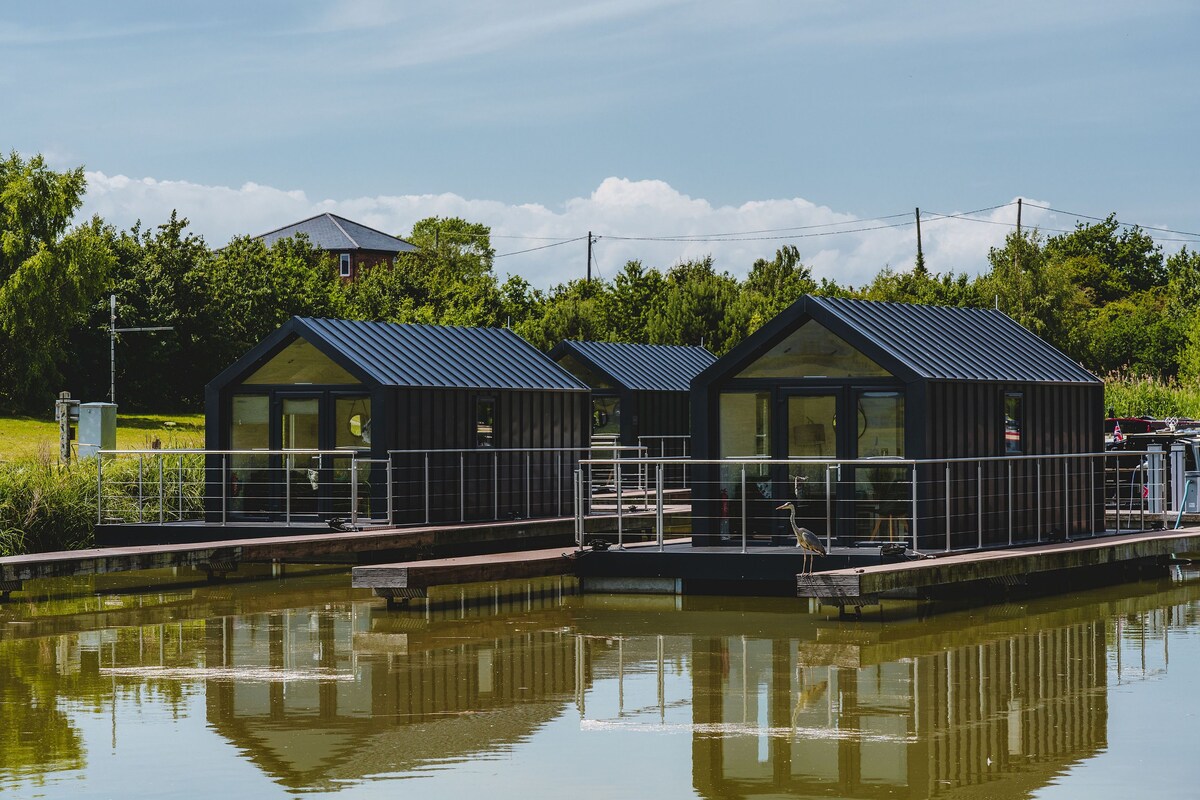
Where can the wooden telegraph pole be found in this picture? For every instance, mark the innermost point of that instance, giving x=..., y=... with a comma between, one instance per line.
x=920, y=255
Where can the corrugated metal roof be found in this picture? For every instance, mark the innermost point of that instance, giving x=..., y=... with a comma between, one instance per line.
x=947, y=343
x=643, y=367
x=331, y=232
x=438, y=356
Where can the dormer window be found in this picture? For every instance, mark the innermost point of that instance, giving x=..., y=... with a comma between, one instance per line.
x=345, y=265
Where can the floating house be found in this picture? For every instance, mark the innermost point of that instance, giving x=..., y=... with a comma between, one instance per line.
x=354, y=245
x=471, y=423
x=640, y=392
x=871, y=383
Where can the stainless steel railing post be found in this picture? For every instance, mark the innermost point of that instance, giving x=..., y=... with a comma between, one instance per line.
x=743, y=508
x=181, y=487
x=1038, y=493
x=914, y=507
x=140, y=464
x=462, y=487
x=99, y=488
x=1009, y=492
x=1067, y=498
x=289, y=464
x=658, y=502
x=578, y=487
x=162, y=514
x=829, y=506
x=224, y=488
x=979, y=502
x=528, y=487
x=1092, y=495
x=620, y=503
x=353, y=492
x=426, y=492
x=947, y=506
x=390, y=490
x=495, y=486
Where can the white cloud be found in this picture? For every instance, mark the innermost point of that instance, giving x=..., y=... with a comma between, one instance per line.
x=631, y=217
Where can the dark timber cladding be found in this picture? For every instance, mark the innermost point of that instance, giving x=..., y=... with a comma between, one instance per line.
x=381, y=390
x=919, y=383
x=638, y=390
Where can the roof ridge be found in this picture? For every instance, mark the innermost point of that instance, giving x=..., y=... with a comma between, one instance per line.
x=334, y=219
x=290, y=225
x=368, y=227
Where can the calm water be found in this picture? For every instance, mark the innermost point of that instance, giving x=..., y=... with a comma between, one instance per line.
x=303, y=686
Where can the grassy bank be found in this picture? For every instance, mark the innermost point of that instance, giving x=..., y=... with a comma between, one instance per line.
x=31, y=438
x=45, y=506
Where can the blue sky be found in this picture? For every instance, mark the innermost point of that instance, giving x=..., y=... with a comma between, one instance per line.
x=629, y=119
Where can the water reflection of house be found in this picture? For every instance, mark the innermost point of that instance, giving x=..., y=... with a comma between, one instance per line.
x=915, y=716
x=383, y=694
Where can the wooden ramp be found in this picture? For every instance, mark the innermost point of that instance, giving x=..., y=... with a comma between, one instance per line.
x=414, y=579
x=863, y=586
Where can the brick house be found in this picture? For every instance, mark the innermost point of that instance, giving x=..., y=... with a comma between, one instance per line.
x=354, y=246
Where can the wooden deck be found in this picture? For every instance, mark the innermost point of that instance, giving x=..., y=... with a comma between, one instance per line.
x=1014, y=566
x=413, y=579
x=371, y=545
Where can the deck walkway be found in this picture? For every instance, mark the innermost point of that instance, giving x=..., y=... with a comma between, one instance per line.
x=370, y=545
x=862, y=586
x=413, y=579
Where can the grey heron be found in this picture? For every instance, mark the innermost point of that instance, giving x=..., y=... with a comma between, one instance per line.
x=806, y=540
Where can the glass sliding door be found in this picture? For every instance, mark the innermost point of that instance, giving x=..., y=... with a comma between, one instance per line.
x=351, y=434
x=249, y=475
x=300, y=429
x=745, y=424
x=812, y=433
x=883, y=494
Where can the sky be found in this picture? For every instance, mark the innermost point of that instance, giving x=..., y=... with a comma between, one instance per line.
x=670, y=130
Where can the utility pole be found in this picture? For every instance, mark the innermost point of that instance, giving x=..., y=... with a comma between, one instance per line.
x=113, y=330
x=920, y=255
x=1018, y=216
x=589, y=271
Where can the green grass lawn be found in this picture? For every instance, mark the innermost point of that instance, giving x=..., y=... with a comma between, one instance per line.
x=29, y=437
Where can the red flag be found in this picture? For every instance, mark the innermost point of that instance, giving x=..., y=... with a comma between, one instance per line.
x=1117, y=435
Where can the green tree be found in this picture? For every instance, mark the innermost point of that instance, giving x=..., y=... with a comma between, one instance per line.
x=450, y=276
x=49, y=276
x=700, y=308
x=252, y=290
x=1108, y=260
x=1136, y=334
x=573, y=310
x=1037, y=292
x=630, y=302
x=771, y=286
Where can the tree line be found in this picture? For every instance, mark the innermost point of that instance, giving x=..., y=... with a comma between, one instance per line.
x=1105, y=294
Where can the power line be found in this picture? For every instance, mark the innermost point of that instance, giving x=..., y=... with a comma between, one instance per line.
x=543, y=247
x=1117, y=221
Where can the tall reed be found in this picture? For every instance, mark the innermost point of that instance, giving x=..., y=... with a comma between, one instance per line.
x=1139, y=396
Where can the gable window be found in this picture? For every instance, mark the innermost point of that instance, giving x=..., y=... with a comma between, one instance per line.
x=345, y=265
x=1013, y=422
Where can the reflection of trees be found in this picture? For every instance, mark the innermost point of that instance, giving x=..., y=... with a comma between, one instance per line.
x=35, y=736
